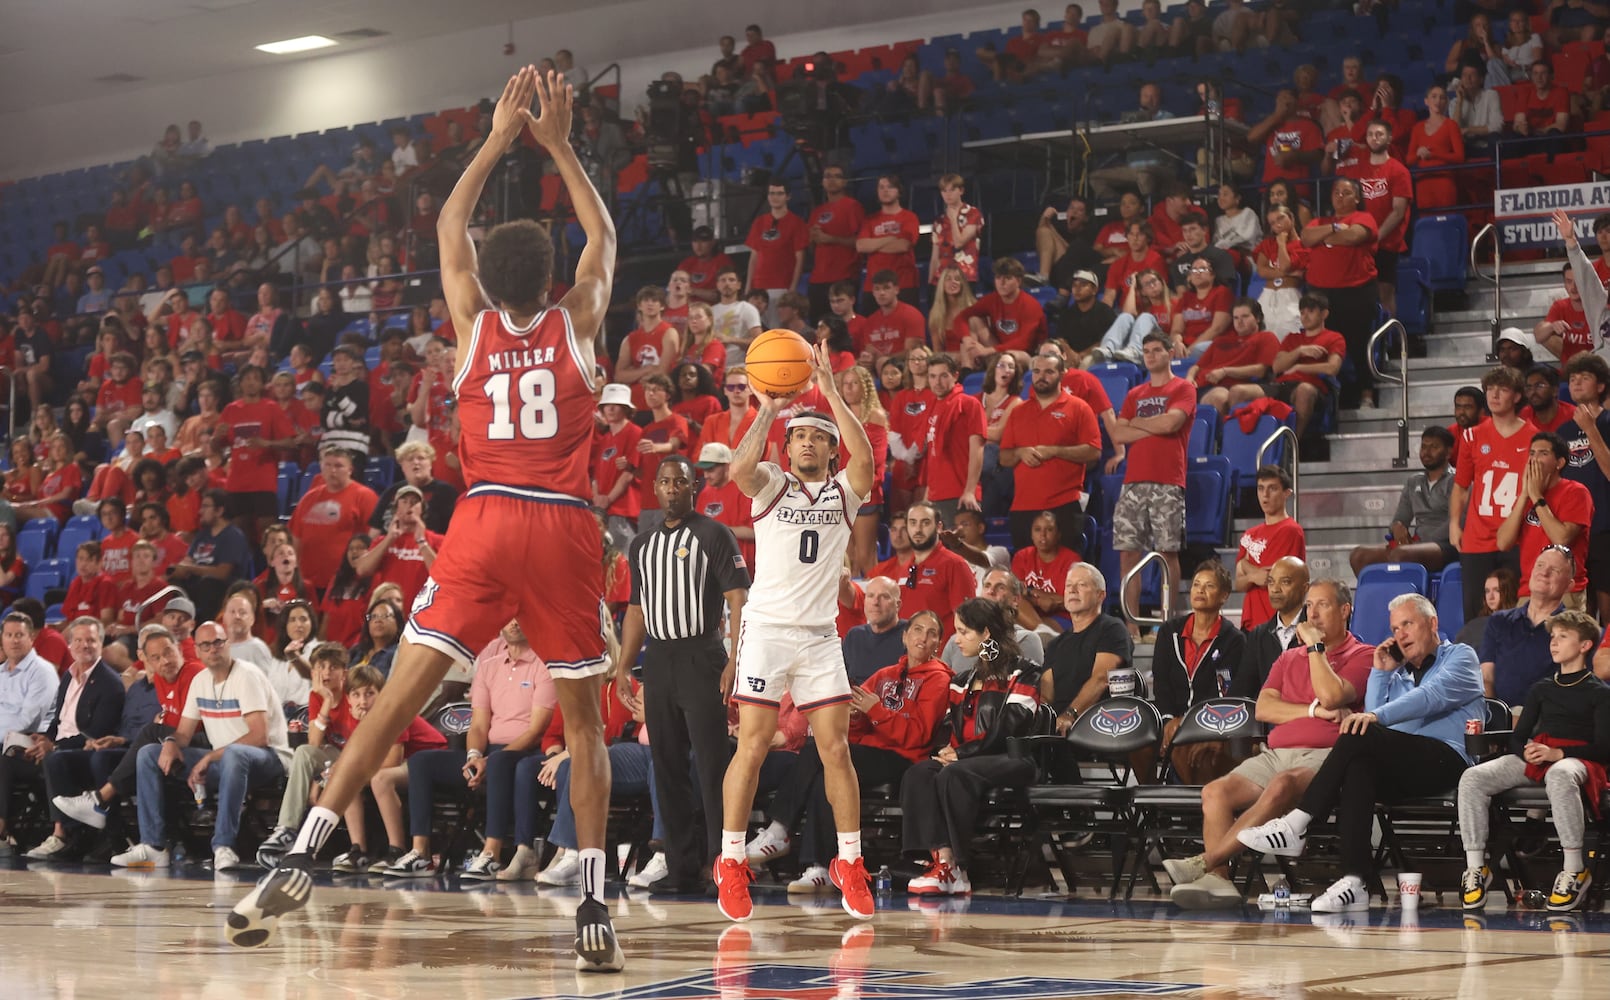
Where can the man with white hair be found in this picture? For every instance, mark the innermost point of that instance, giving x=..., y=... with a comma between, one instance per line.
x=1095, y=644
x=1515, y=650
x=870, y=647
x=1408, y=742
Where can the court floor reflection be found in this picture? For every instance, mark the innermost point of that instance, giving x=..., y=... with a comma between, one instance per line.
x=81, y=933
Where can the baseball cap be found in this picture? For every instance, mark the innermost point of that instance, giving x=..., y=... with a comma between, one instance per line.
x=1088, y=276
x=409, y=490
x=704, y=233
x=714, y=454
x=95, y=269
x=183, y=605
x=1515, y=335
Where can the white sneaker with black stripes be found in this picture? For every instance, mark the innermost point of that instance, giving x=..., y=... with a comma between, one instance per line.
x=596, y=947
x=1274, y=837
x=284, y=890
x=1345, y=895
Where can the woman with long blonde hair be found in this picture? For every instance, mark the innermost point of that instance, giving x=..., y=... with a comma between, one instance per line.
x=860, y=393
x=952, y=294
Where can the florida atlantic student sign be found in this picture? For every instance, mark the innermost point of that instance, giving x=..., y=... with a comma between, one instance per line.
x=1523, y=215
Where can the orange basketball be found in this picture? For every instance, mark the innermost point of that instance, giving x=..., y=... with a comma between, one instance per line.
x=778, y=362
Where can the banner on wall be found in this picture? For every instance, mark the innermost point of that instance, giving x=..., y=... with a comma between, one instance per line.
x=1524, y=216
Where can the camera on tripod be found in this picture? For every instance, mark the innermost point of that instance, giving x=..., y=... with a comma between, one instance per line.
x=666, y=126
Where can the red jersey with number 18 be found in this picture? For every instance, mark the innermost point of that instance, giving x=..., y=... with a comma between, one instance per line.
x=525, y=404
x=1491, y=470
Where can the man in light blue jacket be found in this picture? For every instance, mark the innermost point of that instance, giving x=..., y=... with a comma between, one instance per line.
x=1408, y=742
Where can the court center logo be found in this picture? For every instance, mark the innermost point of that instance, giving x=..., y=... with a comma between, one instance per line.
x=1221, y=718
x=1116, y=722
x=804, y=982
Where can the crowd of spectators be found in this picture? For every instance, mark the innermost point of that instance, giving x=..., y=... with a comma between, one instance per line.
x=201, y=391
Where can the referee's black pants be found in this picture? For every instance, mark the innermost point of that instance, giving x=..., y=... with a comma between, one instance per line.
x=939, y=803
x=685, y=714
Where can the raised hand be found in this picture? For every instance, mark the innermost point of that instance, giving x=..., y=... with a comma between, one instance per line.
x=514, y=107
x=1567, y=231
x=557, y=100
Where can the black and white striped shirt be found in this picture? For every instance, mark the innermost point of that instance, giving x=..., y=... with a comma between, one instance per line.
x=680, y=576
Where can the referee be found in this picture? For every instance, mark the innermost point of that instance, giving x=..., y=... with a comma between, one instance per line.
x=682, y=572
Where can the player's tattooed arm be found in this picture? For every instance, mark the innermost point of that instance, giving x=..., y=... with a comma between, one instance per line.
x=746, y=459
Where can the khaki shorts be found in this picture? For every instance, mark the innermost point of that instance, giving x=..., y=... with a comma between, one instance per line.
x=1261, y=770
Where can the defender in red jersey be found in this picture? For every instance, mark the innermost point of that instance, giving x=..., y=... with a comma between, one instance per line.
x=524, y=385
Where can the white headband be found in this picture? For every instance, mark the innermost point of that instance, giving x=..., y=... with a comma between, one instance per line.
x=820, y=423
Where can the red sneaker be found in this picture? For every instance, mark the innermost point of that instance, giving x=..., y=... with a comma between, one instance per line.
x=933, y=877
x=851, y=878
x=732, y=888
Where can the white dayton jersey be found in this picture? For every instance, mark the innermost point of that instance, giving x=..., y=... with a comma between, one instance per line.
x=802, y=531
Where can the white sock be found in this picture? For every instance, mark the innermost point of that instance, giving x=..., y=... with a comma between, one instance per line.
x=732, y=845
x=316, y=829
x=1475, y=860
x=1574, y=861
x=778, y=830
x=1298, y=821
x=592, y=872
x=850, y=846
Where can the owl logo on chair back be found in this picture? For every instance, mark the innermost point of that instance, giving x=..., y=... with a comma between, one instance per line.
x=1221, y=719
x=1116, y=722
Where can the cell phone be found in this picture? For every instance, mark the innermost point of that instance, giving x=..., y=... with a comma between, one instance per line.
x=1395, y=651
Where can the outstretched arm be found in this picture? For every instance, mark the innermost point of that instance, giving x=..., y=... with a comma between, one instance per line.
x=862, y=468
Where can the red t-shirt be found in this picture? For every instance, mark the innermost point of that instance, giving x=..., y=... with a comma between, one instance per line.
x=131, y=595
x=1166, y=233
x=114, y=396
x=1018, y=325
x=324, y=522
x=1492, y=472
x=775, y=242
x=253, y=469
x=1263, y=545
x=172, y=696
x=229, y=325
x=643, y=348
x=608, y=446
x=1198, y=310
x=341, y=721
x=1231, y=350
x=1066, y=422
x=1024, y=48
x=888, y=333
x=404, y=564
x=115, y=549
x=702, y=271
x=903, y=224
x=955, y=421
x=1572, y=503
x=1039, y=574
x=1296, y=253
x=1330, y=340
x=1083, y=385
x=728, y=505
x=843, y=218
x=1541, y=112
x=89, y=596
x=1159, y=458
x=660, y=432
x=1382, y=184
x=1564, y=413
x=1296, y=134
x=696, y=411
x=1122, y=271
x=1576, y=338
x=1114, y=234
x=1343, y=267
x=942, y=582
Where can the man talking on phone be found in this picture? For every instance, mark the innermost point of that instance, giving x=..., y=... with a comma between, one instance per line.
x=1409, y=742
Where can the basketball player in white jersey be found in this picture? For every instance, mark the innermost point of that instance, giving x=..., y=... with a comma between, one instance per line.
x=788, y=642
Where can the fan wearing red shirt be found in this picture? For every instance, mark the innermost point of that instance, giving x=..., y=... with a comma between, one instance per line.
x=909, y=412
x=892, y=327
x=1043, y=566
x=120, y=394
x=1231, y=370
x=1487, y=483
x=405, y=553
x=1020, y=54
x=1552, y=511
x=615, y=460
x=1202, y=313
x=1047, y=442
x=955, y=448
x=1564, y=331
x=1543, y=107
x=721, y=500
x=936, y=579
x=91, y=592
x=955, y=232
x=651, y=349
x=1005, y=319
x=1112, y=239
x=1388, y=192
x=227, y=323
x=1262, y=545
x=889, y=239
x=778, y=240
x=1292, y=143
x=1141, y=257
x=1168, y=236
x=1309, y=360
x=834, y=226
x=1544, y=408
x=1155, y=424
x=666, y=433
x=255, y=429
x=756, y=50
x=704, y=265
x=328, y=515
x=1341, y=266
x=142, y=583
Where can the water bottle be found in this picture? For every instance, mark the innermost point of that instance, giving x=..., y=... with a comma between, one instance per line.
x=883, y=881
x=1282, y=892
x=201, y=796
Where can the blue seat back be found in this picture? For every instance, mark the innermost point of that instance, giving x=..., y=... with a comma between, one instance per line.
x=1117, y=377
x=33, y=542
x=1451, y=600
x=1241, y=447
x=1208, y=482
x=1442, y=241
x=1377, y=587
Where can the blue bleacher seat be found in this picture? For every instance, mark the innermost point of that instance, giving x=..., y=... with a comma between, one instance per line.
x=1451, y=599
x=282, y=488
x=1414, y=294
x=80, y=529
x=54, y=615
x=1377, y=586
x=65, y=566
x=42, y=581
x=973, y=383
x=1442, y=241
x=1117, y=377
x=380, y=473
x=1208, y=480
x=34, y=541
x=1241, y=448
x=1204, y=432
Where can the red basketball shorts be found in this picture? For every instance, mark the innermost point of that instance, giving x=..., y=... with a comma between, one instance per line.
x=517, y=554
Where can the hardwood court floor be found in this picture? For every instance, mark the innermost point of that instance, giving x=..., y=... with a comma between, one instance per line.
x=82, y=934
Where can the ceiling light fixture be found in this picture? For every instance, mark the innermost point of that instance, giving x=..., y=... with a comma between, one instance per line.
x=293, y=45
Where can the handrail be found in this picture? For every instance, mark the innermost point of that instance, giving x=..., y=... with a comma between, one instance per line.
x=165, y=594
x=1168, y=592
x=1498, y=285
x=1401, y=378
x=11, y=408
x=1285, y=430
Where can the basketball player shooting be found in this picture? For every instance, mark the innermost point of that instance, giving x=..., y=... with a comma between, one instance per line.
x=788, y=641
x=524, y=385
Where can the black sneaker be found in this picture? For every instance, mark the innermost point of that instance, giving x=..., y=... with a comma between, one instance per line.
x=391, y=856
x=284, y=890
x=596, y=947
x=353, y=862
